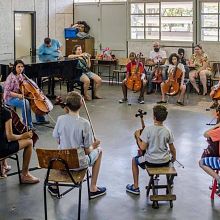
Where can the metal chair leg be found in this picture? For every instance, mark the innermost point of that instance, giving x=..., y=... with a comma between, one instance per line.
x=45, y=201
x=87, y=179
x=18, y=166
x=79, y=203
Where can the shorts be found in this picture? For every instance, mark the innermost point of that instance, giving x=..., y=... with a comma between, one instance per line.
x=212, y=162
x=9, y=148
x=93, y=156
x=89, y=74
x=141, y=162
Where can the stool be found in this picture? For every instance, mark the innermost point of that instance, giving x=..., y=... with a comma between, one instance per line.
x=214, y=187
x=154, y=173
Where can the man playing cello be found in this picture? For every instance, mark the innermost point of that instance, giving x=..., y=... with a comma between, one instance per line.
x=135, y=70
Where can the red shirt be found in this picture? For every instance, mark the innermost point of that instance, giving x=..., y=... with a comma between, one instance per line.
x=131, y=67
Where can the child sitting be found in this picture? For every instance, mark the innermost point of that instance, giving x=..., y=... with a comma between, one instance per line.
x=72, y=131
x=209, y=164
x=155, y=139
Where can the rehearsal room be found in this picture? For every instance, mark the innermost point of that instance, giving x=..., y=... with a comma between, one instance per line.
x=109, y=109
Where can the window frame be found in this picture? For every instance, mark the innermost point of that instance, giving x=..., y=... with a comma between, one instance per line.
x=200, y=19
x=156, y=14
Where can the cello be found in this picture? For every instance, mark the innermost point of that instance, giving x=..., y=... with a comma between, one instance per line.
x=39, y=103
x=133, y=81
x=172, y=85
x=157, y=73
x=140, y=114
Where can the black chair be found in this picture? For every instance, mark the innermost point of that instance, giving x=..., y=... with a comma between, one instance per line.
x=13, y=157
x=62, y=170
x=75, y=83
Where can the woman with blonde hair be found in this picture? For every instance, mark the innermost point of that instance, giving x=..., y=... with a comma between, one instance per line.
x=200, y=68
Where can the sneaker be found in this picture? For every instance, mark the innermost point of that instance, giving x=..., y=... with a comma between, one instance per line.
x=101, y=191
x=123, y=100
x=41, y=122
x=53, y=190
x=179, y=103
x=130, y=189
x=218, y=191
x=141, y=100
x=214, y=105
x=162, y=102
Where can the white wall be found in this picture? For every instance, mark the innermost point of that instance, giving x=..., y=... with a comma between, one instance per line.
x=61, y=15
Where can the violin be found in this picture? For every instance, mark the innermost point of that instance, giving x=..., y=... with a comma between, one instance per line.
x=19, y=127
x=172, y=85
x=157, y=73
x=39, y=103
x=141, y=114
x=134, y=82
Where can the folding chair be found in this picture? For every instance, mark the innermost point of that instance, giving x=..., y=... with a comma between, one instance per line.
x=62, y=170
x=122, y=62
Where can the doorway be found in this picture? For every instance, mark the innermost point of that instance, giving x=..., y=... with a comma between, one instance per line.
x=24, y=33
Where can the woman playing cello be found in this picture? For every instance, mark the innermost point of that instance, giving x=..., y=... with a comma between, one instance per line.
x=134, y=69
x=174, y=66
x=13, y=96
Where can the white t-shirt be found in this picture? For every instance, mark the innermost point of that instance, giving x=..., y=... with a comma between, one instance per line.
x=72, y=132
x=158, y=56
x=180, y=66
x=157, y=138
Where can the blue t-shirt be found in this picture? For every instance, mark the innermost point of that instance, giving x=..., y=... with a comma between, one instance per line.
x=55, y=45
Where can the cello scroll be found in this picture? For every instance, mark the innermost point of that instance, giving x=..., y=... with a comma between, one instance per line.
x=140, y=114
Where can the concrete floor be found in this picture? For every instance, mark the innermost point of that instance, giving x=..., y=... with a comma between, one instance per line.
x=114, y=125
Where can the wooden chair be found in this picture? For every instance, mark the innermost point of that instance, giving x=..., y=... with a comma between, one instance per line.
x=154, y=173
x=62, y=170
x=122, y=62
x=13, y=157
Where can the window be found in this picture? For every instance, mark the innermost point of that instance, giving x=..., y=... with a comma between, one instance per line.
x=176, y=21
x=170, y=21
x=210, y=21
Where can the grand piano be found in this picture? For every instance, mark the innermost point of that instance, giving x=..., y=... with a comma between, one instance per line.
x=37, y=67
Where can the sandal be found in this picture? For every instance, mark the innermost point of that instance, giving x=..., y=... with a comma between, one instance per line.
x=87, y=98
x=7, y=168
x=29, y=179
x=2, y=171
x=97, y=97
x=130, y=188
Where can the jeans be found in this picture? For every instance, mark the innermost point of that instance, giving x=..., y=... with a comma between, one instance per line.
x=19, y=103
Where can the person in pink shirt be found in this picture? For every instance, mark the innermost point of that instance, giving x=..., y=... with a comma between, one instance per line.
x=13, y=96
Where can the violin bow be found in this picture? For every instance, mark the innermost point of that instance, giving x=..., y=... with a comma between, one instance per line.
x=87, y=112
